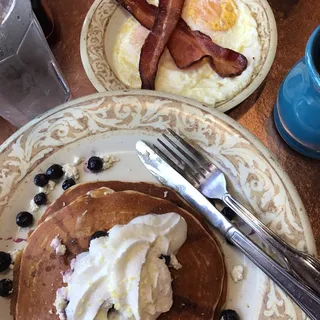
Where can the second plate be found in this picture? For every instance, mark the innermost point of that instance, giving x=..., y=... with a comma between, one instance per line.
x=106, y=18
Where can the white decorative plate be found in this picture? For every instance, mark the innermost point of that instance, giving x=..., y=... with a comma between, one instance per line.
x=112, y=123
x=105, y=19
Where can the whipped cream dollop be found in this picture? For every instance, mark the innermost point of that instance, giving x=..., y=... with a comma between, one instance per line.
x=124, y=271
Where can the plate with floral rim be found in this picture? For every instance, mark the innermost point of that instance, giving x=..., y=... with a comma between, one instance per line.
x=105, y=19
x=112, y=122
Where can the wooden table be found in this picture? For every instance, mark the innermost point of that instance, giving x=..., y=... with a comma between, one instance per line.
x=295, y=19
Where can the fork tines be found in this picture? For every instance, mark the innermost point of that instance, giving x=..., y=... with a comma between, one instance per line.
x=184, y=158
x=196, y=154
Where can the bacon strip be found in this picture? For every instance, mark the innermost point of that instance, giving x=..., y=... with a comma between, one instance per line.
x=187, y=47
x=169, y=13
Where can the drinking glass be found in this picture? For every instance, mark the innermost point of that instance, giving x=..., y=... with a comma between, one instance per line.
x=31, y=81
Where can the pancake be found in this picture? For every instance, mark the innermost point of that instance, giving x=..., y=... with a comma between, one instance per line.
x=151, y=189
x=199, y=288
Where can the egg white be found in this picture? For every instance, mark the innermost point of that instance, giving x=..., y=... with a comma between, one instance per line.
x=199, y=82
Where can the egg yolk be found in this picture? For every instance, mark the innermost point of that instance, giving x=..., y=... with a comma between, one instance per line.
x=216, y=15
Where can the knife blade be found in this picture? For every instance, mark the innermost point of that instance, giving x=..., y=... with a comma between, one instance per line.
x=167, y=176
x=306, y=299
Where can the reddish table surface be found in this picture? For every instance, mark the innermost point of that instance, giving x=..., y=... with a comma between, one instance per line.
x=295, y=20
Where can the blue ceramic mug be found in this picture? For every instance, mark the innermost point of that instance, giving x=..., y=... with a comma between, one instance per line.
x=297, y=111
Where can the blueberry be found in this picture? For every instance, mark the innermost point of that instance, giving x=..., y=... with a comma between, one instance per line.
x=24, y=219
x=229, y=315
x=41, y=180
x=95, y=164
x=112, y=309
x=228, y=213
x=229, y=242
x=40, y=199
x=166, y=258
x=6, y=287
x=68, y=183
x=5, y=261
x=55, y=172
x=99, y=234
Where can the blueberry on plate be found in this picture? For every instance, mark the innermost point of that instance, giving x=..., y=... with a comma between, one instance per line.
x=24, y=219
x=229, y=315
x=166, y=258
x=40, y=199
x=95, y=164
x=6, y=287
x=99, y=234
x=229, y=242
x=5, y=261
x=228, y=213
x=68, y=183
x=41, y=180
x=55, y=172
x=112, y=309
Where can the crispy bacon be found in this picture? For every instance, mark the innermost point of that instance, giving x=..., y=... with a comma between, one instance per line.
x=168, y=15
x=187, y=47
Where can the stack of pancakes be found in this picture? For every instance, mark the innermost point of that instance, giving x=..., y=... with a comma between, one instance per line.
x=199, y=287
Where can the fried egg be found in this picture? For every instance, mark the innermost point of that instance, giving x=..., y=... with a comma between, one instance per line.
x=216, y=15
x=229, y=23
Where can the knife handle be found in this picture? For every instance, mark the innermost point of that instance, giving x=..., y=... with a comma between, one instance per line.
x=306, y=299
x=302, y=265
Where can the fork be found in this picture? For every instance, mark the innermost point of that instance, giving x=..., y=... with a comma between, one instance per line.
x=211, y=182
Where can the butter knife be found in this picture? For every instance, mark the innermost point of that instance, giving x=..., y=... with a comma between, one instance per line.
x=306, y=299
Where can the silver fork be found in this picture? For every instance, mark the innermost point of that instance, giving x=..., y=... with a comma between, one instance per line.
x=211, y=182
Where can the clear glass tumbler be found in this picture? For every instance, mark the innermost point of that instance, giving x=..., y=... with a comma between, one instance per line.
x=31, y=81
